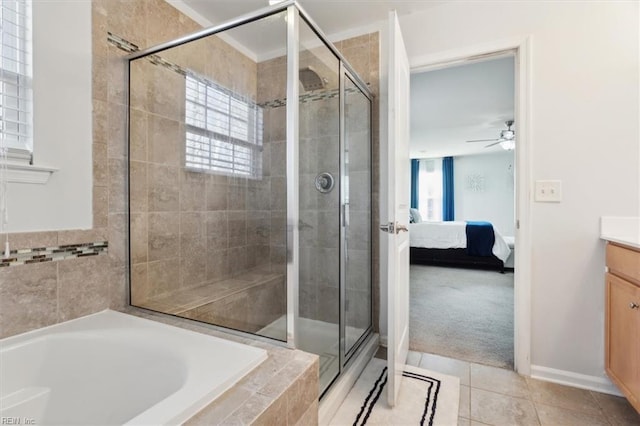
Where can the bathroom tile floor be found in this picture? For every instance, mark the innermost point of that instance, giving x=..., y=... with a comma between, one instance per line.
x=493, y=396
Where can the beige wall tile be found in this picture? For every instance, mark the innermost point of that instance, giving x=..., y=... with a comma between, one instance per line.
x=100, y=202
x=218, y=265
x=100, y=121
x=117, y=188
x=21, y=240
x=163, y=236
x=237, y=260
x=274, y=415
x=139, y=75
x=165, y=93
x=310, y=417
x=217, y=230
x=163, y=182
x=116, y=130
x=221, y=408
x=118, y=288
x=83, y=286
x=28, y=297
x=118, y=238
x=237, y=226
x=126, y=19
x=164, y=276
x=161, y=20
x=249, y=411
x=193, y=269
x=100, y=165
x=139, y=230
x=138, y=135
x=165, y=140
x=78, y=236
x=192, y=191
x=237, y=197
x=216, y=195
x=140, y=289
x=138, y=186
x=302, y=394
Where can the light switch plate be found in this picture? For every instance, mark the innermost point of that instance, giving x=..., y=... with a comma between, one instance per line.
x=548, y=191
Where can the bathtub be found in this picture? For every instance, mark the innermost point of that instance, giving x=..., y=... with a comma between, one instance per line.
x=112, y=368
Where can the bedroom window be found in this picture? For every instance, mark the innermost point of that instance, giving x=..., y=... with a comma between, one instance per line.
x=223, y=130
x=430, y=189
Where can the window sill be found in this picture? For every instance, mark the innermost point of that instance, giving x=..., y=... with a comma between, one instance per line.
x=27, y=173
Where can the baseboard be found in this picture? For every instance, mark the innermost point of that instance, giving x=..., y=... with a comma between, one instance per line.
x=577, y=380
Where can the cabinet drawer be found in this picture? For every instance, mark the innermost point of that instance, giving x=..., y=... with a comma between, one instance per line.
x=623, y=261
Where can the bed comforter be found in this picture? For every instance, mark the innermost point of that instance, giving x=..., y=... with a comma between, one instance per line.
x=446, y=235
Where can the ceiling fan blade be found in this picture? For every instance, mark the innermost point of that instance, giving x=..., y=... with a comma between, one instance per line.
x=483, y=140
x=495, y=143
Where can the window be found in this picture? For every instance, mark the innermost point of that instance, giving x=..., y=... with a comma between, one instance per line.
x=223, y=130
x=15, y=77
x=430, y=189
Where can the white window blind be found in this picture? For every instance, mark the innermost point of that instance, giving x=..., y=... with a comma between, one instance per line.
x=223, y=130
x=15, y=75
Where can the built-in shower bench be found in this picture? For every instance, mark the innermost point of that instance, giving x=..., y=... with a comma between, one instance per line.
x=227, y=303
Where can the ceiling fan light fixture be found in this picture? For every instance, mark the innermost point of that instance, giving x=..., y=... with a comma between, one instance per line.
x=508, y=145
x=507, y=134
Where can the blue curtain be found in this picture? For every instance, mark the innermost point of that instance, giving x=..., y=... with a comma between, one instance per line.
x=415, y=168
x=448, y=213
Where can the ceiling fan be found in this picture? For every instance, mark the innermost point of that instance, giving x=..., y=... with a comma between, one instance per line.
x=506, y=139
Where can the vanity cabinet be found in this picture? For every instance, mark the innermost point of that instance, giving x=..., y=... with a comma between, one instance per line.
x=622, y=320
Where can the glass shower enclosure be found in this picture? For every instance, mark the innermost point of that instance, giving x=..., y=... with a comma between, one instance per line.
x=246, y=210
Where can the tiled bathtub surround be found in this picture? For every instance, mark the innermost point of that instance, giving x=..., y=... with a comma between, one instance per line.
x=283, y=390
x=53, y=254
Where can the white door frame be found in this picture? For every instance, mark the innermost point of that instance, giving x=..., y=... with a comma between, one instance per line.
x=521, y=47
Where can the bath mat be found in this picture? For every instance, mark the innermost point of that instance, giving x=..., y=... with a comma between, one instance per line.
x=426, y=398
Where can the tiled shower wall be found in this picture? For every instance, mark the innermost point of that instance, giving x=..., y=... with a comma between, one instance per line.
x=34, y=296
x=189, y=227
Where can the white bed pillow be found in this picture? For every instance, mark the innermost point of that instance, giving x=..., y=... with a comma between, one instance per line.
x=415, y=216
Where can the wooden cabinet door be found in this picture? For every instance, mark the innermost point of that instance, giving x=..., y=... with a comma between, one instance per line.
x=623, y=336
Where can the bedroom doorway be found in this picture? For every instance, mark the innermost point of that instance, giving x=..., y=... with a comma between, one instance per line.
x=464, y=154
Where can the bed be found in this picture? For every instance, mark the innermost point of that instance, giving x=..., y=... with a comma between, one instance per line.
x=456, y=243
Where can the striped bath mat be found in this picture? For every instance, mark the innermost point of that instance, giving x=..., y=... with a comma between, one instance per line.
x=426, y=398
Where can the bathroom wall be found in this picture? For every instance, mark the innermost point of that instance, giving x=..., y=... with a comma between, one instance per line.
x=484, y=189
x=33, y=296
x=37, y=295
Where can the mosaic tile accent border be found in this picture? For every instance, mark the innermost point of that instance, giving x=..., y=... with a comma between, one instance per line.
x=155, y=59
x=53, y=254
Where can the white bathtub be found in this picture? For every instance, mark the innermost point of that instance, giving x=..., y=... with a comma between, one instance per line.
x=111, y=368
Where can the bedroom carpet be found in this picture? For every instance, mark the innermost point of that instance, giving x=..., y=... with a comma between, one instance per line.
x=462, y=313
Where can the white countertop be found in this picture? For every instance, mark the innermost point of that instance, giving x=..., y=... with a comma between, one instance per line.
x=622, y=230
